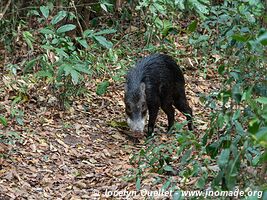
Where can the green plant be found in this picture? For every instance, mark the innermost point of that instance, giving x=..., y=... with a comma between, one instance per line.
x=160, y=16
x=237, y=134
x=164, y=159
x=62, y=63
x=239, y=108
x=3, y=120
x=201, y=7
x=10, y=137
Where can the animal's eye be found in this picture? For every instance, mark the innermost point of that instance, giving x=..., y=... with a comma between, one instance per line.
x=143, y=107
x=128, y=110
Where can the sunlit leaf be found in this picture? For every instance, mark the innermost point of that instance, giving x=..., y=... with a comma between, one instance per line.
x=223, y=157
x=83, y=42
x=29, y=39
x=262, y=100
x=104, y=42
x=168, y=168
x=74, y=76
x=58, y=17
x=138, y=184
x=45, y=11
x=46, y=31
x=66, y=28
x=88, y=33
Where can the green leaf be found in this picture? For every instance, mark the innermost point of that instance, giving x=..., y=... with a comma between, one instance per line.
x=218, y=179
x=138, y=184
x=61, y=52
x=236, y=115
x=43, y=74
x=180, y=4
x=223, y=158
x=104, y=7
x=47, y=47
x=235, y=75
x=239, y=128
x=200, y=7
x=262, y=100
x=193, y=26
x=263, y=39
x=83, y=68
x=88, y=33
x=33, y=13
x=66, y=28
x=27, y=36
x=159, y=8
x=74, y=76
x=261, y=136
x=220, y=121
x=168, y=168
x=3, y=120
x=167, y=27
x=153, y=161
x=212, y=149
x=142, y=153
x=105, y=31
x=240, y=38
x=29, y=66
x=177, y=195
x=102, y=88
x=253, y=126
x=83, y=42
x=46, y=31
x=103, y=41
x=237, y=93
x=221, y=69
x=67, y=68
x=58, y=17
x=60, y=73
x=256, y=159
x=19, y=120
x=261, y=88
x=201, y=183
x=166, y=185
x=45, y=11
x=231, y=172
x=159, y=23
x=186, y=156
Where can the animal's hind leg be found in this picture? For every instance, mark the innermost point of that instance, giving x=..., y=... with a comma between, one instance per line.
x=181, y=103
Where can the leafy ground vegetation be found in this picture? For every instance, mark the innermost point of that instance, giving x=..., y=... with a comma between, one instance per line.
x=62, y=119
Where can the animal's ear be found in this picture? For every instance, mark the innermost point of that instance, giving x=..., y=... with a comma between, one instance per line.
x=143, y=87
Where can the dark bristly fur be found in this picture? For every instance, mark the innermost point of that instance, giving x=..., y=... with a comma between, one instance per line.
x=164, y=87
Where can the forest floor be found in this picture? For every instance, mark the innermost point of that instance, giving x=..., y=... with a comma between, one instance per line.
x=78, y=153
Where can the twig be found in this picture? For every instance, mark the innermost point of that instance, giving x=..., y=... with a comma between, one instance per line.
x=4, y=11
x=77, y=17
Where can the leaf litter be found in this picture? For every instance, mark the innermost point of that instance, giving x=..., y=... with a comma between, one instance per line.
x=76, y=153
